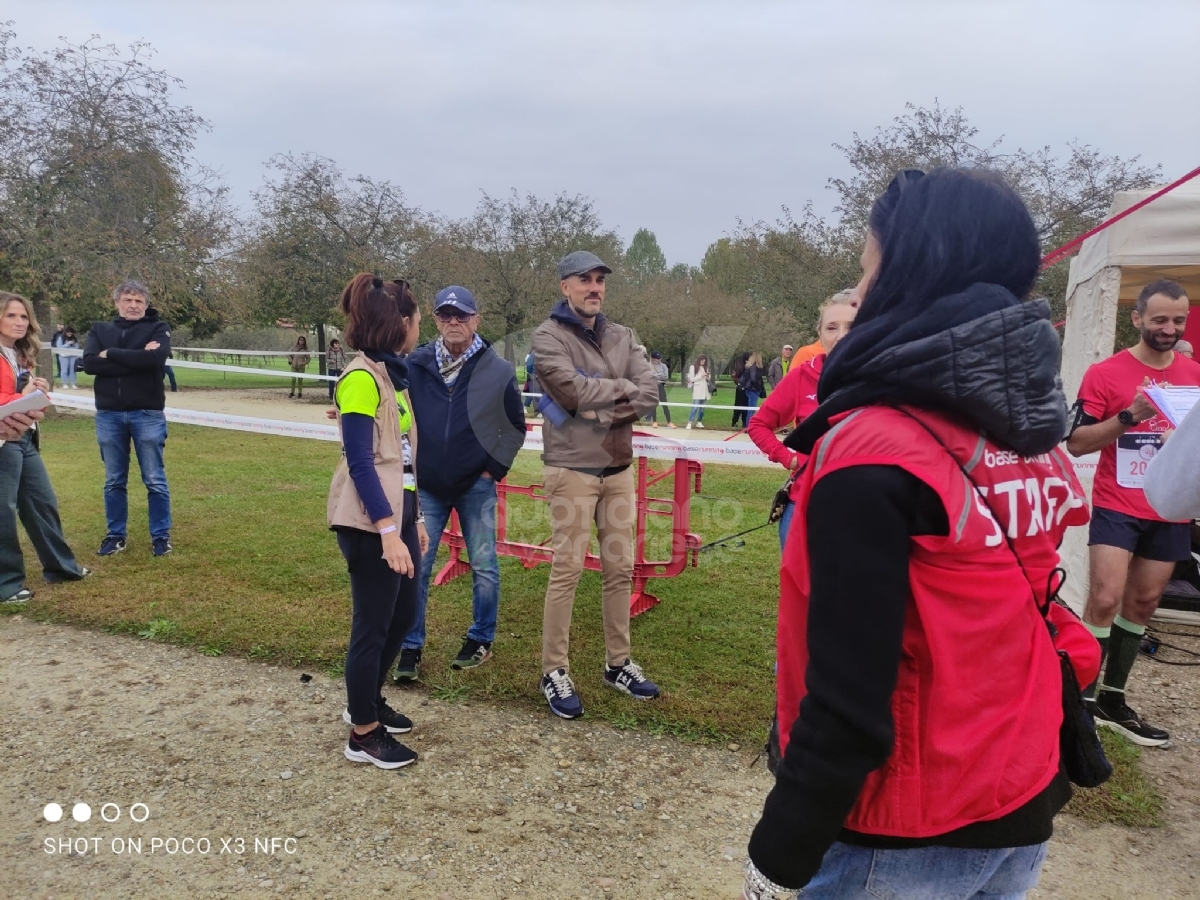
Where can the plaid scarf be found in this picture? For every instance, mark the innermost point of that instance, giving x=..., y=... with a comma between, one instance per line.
x=448, y=366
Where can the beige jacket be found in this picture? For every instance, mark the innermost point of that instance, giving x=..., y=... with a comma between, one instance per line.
x=344, y=508
x=619, y=387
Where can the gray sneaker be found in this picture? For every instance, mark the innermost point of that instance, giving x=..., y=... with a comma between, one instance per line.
x=24, y=595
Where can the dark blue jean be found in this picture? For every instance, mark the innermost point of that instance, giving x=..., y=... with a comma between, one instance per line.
x=785, y=524
x=147, y=430
x=476, y=508
x=930, y=873
x=26, y=494
x=752, y=398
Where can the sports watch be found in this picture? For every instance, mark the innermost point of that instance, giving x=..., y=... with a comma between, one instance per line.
x=1125, y=417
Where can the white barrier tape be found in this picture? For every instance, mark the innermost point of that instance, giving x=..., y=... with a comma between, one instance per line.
x=217, y=367
x=707, y=406
x=730, y=453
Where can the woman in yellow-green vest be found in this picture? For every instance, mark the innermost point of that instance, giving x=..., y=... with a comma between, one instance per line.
x=373, y=508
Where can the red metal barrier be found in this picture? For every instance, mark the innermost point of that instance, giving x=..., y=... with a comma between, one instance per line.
x=687, y=475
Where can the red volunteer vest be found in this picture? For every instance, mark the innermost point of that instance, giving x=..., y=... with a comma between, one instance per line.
x=977, y=705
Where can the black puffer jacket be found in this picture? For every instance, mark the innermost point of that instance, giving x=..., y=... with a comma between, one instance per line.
x=982, y=354
x=128, y=377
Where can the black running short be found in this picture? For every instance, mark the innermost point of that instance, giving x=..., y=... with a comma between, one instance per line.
x=1147, y=538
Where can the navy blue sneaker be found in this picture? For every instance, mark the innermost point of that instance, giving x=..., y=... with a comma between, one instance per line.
x=392, y=721
x=162, y=546
x=113, y=543
x=628, y=679
x=560, y=691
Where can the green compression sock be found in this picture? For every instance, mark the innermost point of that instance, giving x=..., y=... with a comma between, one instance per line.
x=1123, y=650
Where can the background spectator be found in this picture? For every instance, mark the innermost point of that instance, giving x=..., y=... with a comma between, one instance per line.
x=298, y=361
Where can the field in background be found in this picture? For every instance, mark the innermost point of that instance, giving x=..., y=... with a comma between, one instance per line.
x=256, y=573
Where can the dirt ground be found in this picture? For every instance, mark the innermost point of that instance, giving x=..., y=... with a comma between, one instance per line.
x=504, y=803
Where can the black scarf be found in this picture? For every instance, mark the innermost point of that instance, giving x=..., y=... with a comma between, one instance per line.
x=397, y=366
x=981, y=354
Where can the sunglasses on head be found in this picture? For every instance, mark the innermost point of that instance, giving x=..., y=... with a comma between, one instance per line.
x=451, y=314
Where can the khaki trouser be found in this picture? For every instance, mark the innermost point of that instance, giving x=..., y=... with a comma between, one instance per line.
x=576, y=500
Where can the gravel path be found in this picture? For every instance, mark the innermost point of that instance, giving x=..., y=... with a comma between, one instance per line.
x=504, y=803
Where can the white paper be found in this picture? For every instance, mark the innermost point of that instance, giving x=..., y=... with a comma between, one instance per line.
x=1174, y=402
x=28, y=403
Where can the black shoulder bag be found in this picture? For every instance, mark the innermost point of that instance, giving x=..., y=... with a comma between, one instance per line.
x=1082, y=754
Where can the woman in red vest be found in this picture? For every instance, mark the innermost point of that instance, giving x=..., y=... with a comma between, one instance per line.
x=796, y=396
x=919, y=693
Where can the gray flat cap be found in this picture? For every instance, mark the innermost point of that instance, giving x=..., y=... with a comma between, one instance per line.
x=578, y=262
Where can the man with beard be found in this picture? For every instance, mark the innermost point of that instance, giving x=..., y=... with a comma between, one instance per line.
x=1133, y=550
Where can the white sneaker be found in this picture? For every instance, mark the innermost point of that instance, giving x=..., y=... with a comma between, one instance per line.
x=699, y=424
x=689, y=426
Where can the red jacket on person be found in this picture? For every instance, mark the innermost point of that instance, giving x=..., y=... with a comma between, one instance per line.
x=793, y=400
x=977, y=704
x=8, y=383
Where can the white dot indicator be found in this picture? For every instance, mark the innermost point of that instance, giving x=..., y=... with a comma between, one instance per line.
x=52, y=812
x=81, y=812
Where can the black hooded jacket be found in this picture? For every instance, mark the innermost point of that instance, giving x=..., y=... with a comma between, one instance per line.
x=129, y=377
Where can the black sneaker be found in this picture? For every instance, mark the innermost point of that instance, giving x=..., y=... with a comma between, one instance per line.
x=394, y=722
x=162, y=546
x=628, y=679
x=1120, y=718
x=473, y=653
x=379, y=749
x=24, y=595
x=408, y=669
x=111, y=544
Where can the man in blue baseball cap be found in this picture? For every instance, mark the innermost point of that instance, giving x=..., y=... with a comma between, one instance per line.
x=470, y=425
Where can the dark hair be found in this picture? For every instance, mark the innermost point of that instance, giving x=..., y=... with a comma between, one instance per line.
x=702, y=356
x=376, y=311
x=951, y=229
x=1172, y=289
x=335, y=341
x=885, y=204
x=301, y=339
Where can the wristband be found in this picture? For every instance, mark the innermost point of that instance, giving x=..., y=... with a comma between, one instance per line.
x=388, y=530
x=420, y=520
x=758, y=887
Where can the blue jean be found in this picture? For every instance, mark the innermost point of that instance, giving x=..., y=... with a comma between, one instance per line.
x=752, y=398
x=926, y=873
x=147, y=429
x=67, y=376
x=476, y=509
x=170, y=373
x=785, y=523
x=697, y=413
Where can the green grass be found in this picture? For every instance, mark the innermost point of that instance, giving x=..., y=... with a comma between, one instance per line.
x=1128, y=798
x=255, y=573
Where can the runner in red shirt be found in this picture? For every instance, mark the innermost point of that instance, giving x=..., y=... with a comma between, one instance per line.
x=1133, y=550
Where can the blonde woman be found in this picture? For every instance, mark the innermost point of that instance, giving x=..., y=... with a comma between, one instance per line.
x=795, y=397
x=698, y=380
x=751, y=383
x=25, y=490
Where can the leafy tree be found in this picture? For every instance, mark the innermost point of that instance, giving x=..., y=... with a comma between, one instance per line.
x=314, y=229
x=97, y=184
x=644, y=259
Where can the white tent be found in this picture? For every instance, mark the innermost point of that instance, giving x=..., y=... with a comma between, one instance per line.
x=1161, y=240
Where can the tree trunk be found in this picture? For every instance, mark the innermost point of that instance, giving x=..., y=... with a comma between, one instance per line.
x=321, y=349
x=41, y=309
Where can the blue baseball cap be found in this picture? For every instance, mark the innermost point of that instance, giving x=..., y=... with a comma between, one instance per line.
x=458, y=297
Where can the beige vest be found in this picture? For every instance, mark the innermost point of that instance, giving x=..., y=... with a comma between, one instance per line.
x=345, y=509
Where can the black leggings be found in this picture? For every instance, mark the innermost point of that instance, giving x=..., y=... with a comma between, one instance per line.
x=385, y=604
x=740, y=399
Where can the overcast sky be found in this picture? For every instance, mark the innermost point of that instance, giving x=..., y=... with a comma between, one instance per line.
x=679, y=117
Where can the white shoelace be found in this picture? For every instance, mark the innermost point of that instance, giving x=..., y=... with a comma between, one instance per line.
x=561, y=684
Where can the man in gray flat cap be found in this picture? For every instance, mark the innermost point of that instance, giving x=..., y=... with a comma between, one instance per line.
x=596, y=382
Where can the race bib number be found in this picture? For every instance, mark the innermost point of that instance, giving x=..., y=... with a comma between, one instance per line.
x=1134, y=452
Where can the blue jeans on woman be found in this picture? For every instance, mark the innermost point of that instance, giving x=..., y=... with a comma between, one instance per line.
x=928, y=873
x=476, y=509
x=26, y=494
x=752, y=398
x=697, y=411
x=147, y=430
x=68, y=370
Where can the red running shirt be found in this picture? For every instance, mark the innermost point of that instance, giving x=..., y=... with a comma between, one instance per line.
x=1109, y=387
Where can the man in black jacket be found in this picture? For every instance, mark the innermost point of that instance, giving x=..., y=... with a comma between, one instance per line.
x=128, y=356
x=470, y=425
